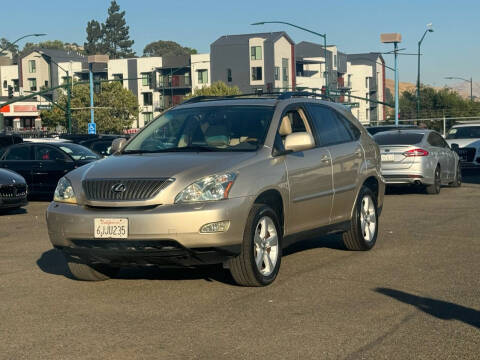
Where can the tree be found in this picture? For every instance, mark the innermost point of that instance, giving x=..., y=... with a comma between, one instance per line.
x=162, y=48
x=116, y=38
x=49, y=44
x=8, y=46
x=218, y=88
x=117, y=109
x=94, y=43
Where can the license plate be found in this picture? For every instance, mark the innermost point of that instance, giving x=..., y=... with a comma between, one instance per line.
x=388, y=157
x=111, y=228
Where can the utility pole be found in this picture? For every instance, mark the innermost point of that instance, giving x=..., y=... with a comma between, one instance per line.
x=69, y=100
x=394, y=38
x=466, y=80
x=90, y=76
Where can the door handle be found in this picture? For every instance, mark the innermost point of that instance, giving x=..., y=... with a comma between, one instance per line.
x=325, y=159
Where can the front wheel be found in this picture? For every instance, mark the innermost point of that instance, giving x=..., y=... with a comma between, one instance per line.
x=364, y=225
x=259, y=260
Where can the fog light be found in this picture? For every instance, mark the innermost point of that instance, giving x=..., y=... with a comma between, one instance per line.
x=219, y=226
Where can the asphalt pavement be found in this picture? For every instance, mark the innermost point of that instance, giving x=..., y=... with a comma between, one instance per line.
x=416, y=295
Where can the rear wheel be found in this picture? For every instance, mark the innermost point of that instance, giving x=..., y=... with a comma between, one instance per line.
x=82, y=271
x=259, y=261
x=458, y=177
x=435, y=187
x=364, y=225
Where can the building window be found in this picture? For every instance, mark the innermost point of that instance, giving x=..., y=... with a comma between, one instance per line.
x=16, y=87
x=46, y=83
x=285, y=73
x=256, y=73
x=5, y=85
x=32, y=84
x=366, y=114
x=202, y=76
x=256, y=53
x=32, y=66
x=147, y=99
x=229, y=75
x=349, y=81
x=335, y=60
x=146, y=79
x=367, y=82
x=119, y=77
x=147, y=117
x=277, y=73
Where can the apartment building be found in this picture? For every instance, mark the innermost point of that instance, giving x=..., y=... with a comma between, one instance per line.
x=366, y=79
x=254, y=62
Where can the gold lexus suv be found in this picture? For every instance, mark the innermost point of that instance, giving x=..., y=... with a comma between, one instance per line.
x=222, y=180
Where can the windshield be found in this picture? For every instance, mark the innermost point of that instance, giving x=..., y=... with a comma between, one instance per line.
x=212, y=128
x=464, y=132
x=78, y=152
x=400, y=138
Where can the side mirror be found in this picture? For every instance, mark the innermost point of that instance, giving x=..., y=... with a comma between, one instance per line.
x=299, y=141
x=454, y=147
x=117, y=145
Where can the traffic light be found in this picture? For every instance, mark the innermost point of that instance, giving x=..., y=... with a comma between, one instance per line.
x=10, y=91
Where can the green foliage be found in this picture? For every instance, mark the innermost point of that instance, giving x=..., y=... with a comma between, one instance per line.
x=7, y=46
x=112, y=37
x=436, y=103
x=49, y=44
x=218, y=88
x=116, y=109
x=162, y=48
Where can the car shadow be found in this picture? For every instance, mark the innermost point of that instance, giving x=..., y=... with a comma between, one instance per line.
x=443, y=310
x=16, y=211
x=53, y=262
x=404, y=190
x=333, y=241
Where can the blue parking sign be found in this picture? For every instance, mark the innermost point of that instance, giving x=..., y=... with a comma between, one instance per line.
x=92, y=128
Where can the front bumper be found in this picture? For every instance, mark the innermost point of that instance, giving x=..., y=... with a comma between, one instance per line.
x=159, y=235
x=9, y=203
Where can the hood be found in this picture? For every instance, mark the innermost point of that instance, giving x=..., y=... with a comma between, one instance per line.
x=475, y=143
x=164, y=165
x=7, y=177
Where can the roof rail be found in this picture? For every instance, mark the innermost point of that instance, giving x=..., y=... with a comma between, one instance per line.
x=274, y=95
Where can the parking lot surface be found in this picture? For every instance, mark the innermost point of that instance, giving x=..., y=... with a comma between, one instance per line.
x=416, y=295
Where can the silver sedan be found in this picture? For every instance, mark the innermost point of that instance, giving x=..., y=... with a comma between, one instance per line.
x=419, y=157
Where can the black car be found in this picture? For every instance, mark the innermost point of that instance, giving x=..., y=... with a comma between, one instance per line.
x=13, y=190
x=43, y=164
x=372, y=130
x=100, y=144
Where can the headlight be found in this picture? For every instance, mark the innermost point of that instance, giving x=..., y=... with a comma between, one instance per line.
x=214, y=187
x=64, y=192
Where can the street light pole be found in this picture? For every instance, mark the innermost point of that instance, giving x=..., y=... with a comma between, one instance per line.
x=20, y=38
x=324, y=36
x=429, y=29
x=466, y=80
x=394, y=38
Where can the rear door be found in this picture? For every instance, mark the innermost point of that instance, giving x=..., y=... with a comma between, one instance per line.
x=341, y=138
x=19, y=158
x=441, y=154
x=50, y=165
x=309, y=178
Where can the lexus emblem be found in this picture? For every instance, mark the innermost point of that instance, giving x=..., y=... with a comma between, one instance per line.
x=119, y=188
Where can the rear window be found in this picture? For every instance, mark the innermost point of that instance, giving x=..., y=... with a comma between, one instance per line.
x=398, y=138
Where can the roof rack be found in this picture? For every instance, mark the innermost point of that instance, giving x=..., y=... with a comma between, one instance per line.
x=273, y=95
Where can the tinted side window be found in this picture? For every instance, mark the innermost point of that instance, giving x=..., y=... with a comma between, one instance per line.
x=43, y=152
x=19, y=153
x=354, y=131
x=435, y=140
x=329, y=127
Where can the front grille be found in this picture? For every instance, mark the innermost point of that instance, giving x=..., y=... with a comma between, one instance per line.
x=123, y=189
x=466, y=154
x=13, y=191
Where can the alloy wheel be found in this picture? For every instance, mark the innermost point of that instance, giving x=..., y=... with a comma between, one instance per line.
x=265, y=245
x=368, y=219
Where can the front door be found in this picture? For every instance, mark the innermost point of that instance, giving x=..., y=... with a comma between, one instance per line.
x=50, y=165
x=309, y=178
x=19, y=158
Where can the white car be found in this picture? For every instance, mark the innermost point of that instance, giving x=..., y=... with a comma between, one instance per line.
x=465, y=140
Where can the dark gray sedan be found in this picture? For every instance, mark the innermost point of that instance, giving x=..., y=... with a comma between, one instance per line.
x=420, y=157
x=13, y=190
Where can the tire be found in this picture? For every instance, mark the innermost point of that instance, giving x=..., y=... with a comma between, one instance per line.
x=458, y=177
x=435, y=187
x=82, y=271
x=364, y=225
x=244, y=268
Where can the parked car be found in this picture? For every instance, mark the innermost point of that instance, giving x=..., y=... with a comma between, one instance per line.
x=7, y=140
x=420, y=157
x=13, y=190
x=372, y=130
x=101, y=144
x=465, y=140
x=222, y=181
x=43, y=164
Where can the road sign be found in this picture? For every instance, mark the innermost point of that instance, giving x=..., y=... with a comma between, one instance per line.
x=92, y=128
x=44, y=107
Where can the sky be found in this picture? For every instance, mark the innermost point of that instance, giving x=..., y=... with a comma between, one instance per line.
x=453, y=49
